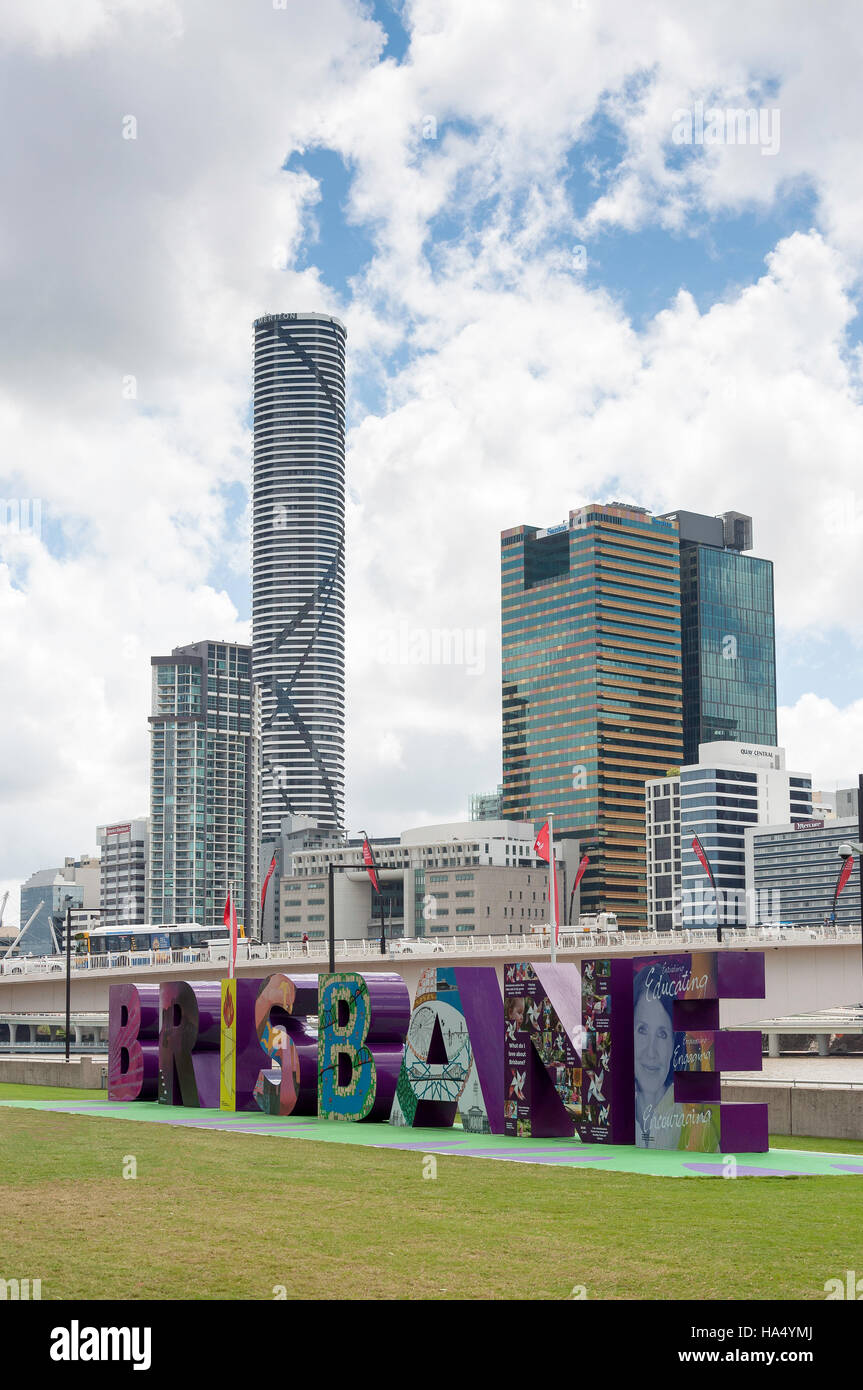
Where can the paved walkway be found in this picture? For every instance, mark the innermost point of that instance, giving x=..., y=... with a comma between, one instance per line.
x=566, y=1153
x=807, y=1071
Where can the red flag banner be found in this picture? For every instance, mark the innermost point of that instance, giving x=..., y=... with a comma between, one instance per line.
x=369, y=861
x=847, y=870
x=541, y=843
x=266, y=881
x=696, y=845
x=580, y=871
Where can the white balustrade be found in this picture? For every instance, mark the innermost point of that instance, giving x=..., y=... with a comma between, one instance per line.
x=646, y=941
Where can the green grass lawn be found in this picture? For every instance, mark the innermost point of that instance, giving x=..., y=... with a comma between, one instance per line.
x=10, y=1091
x=213, y=1215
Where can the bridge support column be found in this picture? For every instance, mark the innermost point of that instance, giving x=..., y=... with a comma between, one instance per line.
x=78, y=1038
x=773, y=1044
x=823, y=1041
x=13, y=1033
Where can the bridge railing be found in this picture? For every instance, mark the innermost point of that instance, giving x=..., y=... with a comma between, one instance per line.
x=290, y=952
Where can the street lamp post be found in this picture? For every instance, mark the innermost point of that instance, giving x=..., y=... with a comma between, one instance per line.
x=332, y=870
x=331, y=894
x=847, y=854
x=68, y=971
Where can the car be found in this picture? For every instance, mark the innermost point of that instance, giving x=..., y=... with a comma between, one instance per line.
x=410, y=946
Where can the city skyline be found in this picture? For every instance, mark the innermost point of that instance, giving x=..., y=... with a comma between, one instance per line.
x=593, y=892
x=549, y=300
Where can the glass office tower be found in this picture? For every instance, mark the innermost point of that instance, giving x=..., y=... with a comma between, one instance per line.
x=204, y=785
x=729, y=655
x=592, y=698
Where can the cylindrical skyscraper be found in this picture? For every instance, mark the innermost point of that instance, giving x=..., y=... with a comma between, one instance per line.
x=298, y=566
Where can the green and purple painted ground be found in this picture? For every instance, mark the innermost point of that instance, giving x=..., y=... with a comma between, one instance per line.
x=566, y=1153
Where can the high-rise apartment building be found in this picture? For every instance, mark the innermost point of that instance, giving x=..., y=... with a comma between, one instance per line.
x=592, y=686
x=298, y=566
x=204, y=784
x=124, y=851
x=729, y=655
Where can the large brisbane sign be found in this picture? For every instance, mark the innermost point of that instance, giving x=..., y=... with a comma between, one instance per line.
x=606, y=1051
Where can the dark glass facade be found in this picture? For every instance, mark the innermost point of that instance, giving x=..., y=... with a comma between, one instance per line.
x=729, y=658
x=592, y=697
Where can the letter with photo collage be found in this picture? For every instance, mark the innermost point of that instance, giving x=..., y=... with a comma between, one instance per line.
x=362, y=1023
x=606, y=1087
x=679, y=1052
x=453, y=1057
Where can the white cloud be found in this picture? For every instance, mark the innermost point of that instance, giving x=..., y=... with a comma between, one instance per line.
x=520, y=392
x=817, y=734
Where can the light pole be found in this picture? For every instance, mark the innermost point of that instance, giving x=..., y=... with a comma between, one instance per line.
x=332, y=870
x=56, y=919
x=68, y=971
x=847, y=853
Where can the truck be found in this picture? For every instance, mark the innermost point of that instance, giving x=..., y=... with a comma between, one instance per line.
x=597, y=921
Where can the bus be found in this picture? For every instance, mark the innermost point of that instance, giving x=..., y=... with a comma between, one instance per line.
x=136, y=939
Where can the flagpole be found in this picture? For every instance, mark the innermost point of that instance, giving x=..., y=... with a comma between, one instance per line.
x=552, y=889
x=231, y=911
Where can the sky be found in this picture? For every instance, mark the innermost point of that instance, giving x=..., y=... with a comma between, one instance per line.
x=566, y=275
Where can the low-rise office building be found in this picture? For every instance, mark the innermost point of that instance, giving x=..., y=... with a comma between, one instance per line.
x=792, y=870
x=436, y=881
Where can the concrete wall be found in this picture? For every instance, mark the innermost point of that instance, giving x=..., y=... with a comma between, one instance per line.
x=84, y=1072
x=824, y=1112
